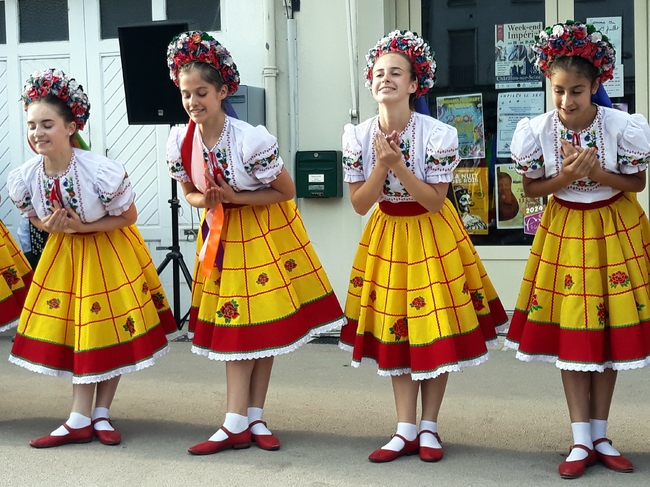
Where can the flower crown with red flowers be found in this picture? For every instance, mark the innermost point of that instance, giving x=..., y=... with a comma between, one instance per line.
x=575, y=39
x=55, y=82
x=413, y=46
x=199, y=46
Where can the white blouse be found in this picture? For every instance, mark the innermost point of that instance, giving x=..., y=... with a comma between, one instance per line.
x=92, y=185
x=247, y=156
x=622, y=140
x=429, y=148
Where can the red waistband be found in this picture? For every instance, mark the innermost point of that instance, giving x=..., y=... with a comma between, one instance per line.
x=574, y=205
x=410, y=208
x=229, y=206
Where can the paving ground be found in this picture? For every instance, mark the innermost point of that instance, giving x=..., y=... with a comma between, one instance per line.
x=502, y=424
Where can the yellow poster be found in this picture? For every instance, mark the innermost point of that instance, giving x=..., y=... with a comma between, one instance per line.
x=470, y=188
x=514, y=208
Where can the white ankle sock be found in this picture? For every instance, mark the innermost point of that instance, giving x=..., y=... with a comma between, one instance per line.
x=407, y=430
x=255, y=414
x=235, y=423
x=598, y=431
x=102, y=425
x=427, y=439
x=75, y=421
x=581, y=436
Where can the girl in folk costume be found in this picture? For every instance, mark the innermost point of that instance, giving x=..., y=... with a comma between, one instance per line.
x=419, y=302
x=95, y=309
x=584, y=303
x=17, y=275
x=259, y=288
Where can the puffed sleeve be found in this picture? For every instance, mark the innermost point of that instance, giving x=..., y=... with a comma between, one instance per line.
x=174, y=162
x=442, y=154
x=352, y=160
x=114, y=187
x=526, y=151
x=20, y=193
x=260, y=155
x=634, y=146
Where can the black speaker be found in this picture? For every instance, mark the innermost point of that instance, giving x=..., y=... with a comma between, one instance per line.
x=152, y=98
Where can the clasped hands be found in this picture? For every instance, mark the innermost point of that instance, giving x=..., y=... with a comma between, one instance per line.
x=387, y=150
x=62, y=220
x=218, y=191
x=579, y=162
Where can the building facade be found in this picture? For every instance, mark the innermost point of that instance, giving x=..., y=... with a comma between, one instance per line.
x=309, y=58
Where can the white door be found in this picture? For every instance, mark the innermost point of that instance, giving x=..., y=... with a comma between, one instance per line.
x=95, y=63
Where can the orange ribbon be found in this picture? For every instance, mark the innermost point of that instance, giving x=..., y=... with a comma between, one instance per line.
x=195, y=164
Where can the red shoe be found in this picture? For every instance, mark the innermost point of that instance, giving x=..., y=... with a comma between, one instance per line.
x=617, y=463
x=575, y=469
x=237, y=441
x=75, y=435
x=265, y=442
x=429, y=454
x=382, y=455
x=107, y=437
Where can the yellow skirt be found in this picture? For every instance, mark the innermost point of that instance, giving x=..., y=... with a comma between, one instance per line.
x=95, y=310
x=271, y=294
x=584, y=303
x=419, y=300
x=17, y=275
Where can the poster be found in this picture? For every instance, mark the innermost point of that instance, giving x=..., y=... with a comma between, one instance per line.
x=612, y=27
x=514, y=208
x=465, y=112
x=470, y=188
x=512, y=107
x=514, y=63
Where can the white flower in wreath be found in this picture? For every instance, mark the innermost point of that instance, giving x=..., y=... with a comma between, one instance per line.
x=543, y=36
x=73, y=85
x=558, y=30
x=596, y=37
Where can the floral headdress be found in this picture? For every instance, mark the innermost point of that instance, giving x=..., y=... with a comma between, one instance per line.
x=575, y=39
x=414, y=47
x=55, y=82
x=201, y=47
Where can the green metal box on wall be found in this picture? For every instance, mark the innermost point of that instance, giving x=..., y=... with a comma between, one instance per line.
x=319, y=174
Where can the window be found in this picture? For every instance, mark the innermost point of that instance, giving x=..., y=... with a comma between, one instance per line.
x=462, y=57
x=3, y=27
x=202, y=15
x=121, y=13
x=43, y=20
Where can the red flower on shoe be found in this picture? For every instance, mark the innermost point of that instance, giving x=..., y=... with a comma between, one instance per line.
x=400, y=329
x=11, y=276
x=229, y=311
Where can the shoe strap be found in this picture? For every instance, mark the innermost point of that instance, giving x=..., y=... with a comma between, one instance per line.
x=257, y=421
x=406, y=442
x=431, y=433
x=602, y=440
x=97, y=420
x=71, y=429
x=582, y=447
